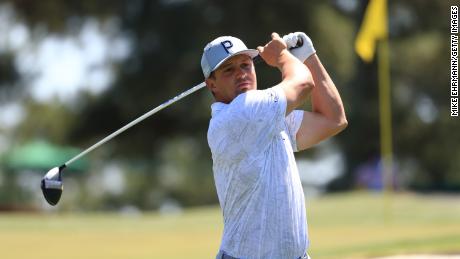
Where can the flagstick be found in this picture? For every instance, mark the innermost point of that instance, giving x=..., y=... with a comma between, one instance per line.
x=385, y=124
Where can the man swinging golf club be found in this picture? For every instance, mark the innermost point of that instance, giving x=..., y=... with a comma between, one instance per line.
x=252, y=136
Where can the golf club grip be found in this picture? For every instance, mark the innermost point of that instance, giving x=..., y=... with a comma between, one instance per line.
x=258, y=59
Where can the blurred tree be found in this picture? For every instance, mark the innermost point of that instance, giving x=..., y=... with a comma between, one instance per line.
x=51, y=121
x=167, y=39
x=423, y=131
x=423, y=128
x=8, y=77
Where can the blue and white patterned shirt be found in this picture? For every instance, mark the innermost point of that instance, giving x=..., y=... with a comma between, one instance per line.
x=252, y=143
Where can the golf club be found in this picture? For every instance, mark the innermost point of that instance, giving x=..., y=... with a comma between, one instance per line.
x=52, y=184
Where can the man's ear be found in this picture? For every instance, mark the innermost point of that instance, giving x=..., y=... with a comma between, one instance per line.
x=211, y=84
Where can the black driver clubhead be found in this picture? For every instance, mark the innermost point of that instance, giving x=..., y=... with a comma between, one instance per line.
x=52, y=185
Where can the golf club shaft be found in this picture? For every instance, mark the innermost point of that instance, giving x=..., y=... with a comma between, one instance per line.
x=257, y=60
x=136, y=121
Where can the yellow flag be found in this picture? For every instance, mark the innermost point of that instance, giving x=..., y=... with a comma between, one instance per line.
x=373, y=28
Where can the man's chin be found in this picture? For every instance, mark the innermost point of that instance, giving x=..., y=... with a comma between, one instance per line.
x=243, y=90
x=240, y=91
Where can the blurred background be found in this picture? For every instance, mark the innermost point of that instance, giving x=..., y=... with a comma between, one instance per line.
x=72, y=72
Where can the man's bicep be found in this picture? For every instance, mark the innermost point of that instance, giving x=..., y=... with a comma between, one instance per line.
x=314, y=129
x=295, y=95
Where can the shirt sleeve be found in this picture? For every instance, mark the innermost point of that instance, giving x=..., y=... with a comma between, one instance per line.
x=293, y=122
x=258, y=116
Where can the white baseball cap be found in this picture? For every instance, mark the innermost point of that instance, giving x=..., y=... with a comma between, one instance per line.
x=219, y=50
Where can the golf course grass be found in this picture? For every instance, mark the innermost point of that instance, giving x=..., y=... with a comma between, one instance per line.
x=345, y=225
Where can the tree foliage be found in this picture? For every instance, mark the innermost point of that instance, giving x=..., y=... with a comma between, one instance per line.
x=167, y=40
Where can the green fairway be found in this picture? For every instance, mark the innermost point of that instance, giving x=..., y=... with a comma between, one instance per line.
x=354, y=225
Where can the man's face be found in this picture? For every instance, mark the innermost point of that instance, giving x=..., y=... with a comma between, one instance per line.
x=233, y=77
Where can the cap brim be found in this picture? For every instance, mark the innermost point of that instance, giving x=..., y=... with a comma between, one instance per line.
x=249, y=52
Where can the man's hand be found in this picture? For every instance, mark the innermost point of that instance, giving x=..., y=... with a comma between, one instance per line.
x=303, y=52
x=296, y=81
x=273, y=50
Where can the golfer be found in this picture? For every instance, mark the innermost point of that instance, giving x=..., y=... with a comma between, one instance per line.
x=252, y=136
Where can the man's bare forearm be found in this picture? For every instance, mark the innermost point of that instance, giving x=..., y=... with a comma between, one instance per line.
x=297, y=80
x=325, y=96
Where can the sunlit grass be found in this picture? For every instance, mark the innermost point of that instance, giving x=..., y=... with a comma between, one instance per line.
x=360, y=225
x=352, y=225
